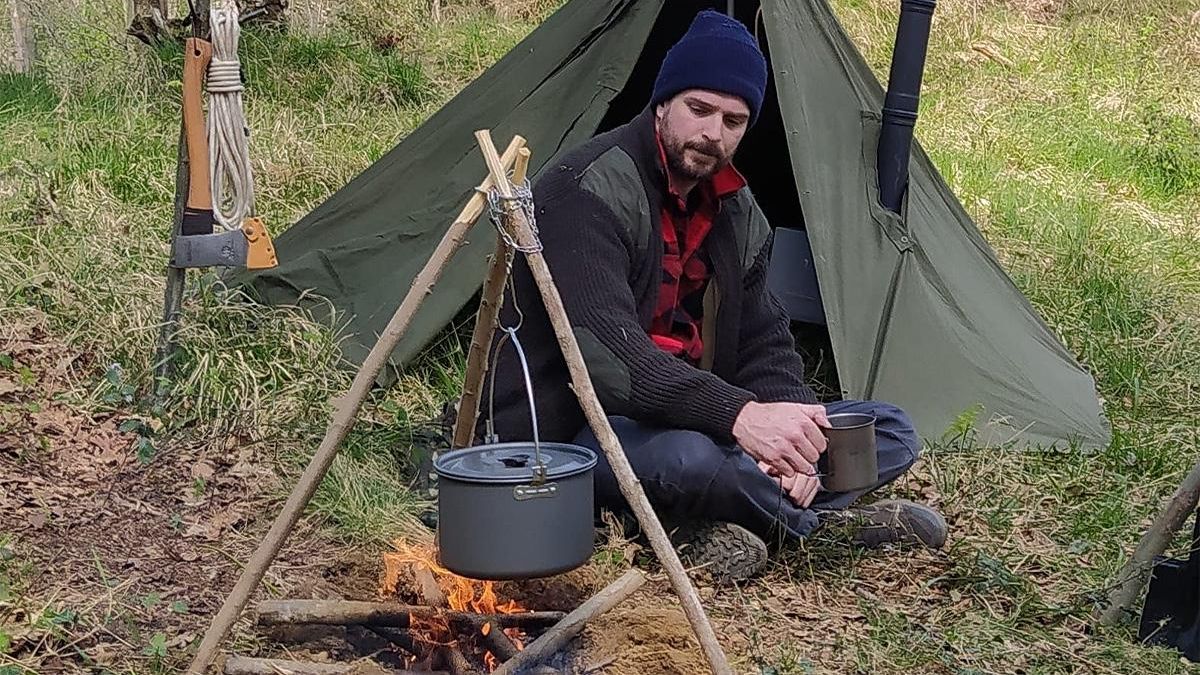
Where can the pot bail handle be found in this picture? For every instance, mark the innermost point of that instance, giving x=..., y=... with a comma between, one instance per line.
x=510, y=333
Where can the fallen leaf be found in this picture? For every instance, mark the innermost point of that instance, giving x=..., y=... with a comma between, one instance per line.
x=37, y=520
x=213, y=528
x=181, y=640
x=203, y=470
x=103, y=654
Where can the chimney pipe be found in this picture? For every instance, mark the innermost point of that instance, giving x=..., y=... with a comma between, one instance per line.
x=902, y=99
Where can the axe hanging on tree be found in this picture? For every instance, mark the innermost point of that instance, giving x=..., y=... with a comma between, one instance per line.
x=197, y=244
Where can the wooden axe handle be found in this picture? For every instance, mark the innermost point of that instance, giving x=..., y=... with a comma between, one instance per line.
x=197, y=54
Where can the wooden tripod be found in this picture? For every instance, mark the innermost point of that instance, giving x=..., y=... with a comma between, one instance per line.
x=518, y=229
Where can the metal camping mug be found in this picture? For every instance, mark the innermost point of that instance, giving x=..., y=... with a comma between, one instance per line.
x=850, y=456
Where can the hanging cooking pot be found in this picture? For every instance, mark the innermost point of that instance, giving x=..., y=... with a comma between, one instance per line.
x=515, y=510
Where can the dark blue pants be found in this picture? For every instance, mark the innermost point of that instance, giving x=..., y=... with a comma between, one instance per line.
x=687, y=475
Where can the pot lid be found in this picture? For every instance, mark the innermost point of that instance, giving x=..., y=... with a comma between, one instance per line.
x=513, y=462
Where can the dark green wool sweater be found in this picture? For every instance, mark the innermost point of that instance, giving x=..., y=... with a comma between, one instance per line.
x=599, y=212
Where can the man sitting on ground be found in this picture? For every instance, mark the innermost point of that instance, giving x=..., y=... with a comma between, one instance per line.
x=660, y=253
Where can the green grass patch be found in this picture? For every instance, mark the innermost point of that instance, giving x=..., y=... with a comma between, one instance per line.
x=25, y=95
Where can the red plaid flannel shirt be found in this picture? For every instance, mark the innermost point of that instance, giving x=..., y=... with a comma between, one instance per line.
x=675, y=327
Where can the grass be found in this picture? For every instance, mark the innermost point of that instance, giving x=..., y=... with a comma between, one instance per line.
x=1070, y=131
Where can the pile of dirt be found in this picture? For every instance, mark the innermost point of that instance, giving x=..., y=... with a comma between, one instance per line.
x=116, y=545
x=636, y=639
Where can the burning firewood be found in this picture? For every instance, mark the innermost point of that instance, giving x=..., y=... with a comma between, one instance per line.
x=498, y=643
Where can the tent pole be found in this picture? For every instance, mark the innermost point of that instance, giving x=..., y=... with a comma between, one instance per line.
x=344, y=416
x=582, y=386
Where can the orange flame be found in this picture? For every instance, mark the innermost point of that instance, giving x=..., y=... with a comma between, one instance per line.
x=462, y=594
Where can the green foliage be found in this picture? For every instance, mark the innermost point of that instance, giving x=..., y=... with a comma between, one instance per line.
x=157, y=647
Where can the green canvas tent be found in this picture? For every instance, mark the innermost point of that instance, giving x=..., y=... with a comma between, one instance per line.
x=917, y=308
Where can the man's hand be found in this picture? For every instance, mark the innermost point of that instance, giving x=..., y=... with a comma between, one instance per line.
x=801, y=488
x=784, y=436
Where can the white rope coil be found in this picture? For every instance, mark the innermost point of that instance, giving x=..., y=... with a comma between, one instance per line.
x=228, y=135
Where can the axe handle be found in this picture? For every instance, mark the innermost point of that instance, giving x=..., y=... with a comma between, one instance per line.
x=197, y=54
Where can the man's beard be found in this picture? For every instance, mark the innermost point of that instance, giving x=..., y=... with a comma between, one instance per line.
x=677, y=159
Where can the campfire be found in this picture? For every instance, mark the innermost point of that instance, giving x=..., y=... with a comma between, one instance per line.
x=430, y=621
x=483, y=637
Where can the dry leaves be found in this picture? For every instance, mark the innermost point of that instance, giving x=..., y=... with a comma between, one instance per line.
x=122, y=549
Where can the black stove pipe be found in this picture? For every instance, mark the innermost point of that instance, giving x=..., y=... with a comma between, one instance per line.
x=900, y=103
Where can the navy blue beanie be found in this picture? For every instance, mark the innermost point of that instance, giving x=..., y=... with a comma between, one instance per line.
x=716, y=53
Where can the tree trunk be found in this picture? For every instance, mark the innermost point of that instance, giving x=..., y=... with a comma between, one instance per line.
x=24, y=51
x=148, y=21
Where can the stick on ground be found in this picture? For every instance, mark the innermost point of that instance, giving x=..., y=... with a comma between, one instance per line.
x=343, y=419
x=561, y=633
x=241, y=665
x=598, y=420
x=1133, y=575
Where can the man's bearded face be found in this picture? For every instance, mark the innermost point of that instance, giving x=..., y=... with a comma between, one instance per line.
x=700, y=131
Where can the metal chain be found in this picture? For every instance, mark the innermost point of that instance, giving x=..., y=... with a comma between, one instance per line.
x=498, y=210
x=523, y=199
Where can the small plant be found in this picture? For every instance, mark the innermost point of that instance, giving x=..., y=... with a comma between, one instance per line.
x=962, y=430
x=156, y=649
x=144, y=446
x=116, y=390
x=151, y=600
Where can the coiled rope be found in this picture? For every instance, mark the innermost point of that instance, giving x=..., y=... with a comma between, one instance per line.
x=228, y=135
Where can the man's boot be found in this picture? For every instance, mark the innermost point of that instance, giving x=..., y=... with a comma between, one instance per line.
x=727, y=551
x=892, y=521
